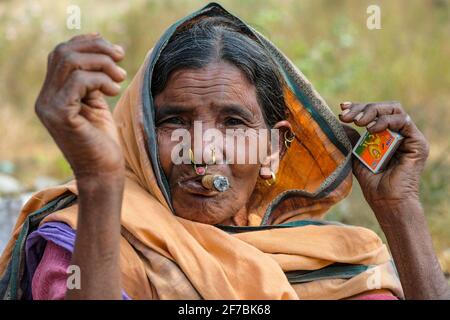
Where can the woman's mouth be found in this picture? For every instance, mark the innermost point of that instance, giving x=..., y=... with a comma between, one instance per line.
x=194, y=186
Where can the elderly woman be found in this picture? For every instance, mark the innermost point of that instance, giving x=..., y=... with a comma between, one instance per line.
x=136, y=225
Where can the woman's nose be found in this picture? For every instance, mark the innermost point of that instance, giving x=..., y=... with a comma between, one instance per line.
x=207, y=152
x=206, y=142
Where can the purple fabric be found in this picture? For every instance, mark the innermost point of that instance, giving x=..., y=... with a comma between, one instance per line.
x=57, y=232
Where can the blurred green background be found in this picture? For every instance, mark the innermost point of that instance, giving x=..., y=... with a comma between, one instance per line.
x=407, y=60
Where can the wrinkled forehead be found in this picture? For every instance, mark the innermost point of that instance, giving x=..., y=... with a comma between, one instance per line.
x=218, y=86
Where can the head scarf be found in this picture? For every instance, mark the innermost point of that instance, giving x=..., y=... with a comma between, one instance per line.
x=284, y=250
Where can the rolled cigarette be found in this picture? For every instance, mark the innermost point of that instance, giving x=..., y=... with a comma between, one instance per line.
x=217, y=182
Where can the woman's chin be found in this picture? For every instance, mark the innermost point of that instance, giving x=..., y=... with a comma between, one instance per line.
x=203, y=210
x=208, y=208
x=202, y=217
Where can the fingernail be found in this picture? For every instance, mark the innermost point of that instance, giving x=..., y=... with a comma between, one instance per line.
x=122, y=71
x=345, y=112
x=345, y=104
x=371, y=124
x=359, y=116
x=118, y=87
x=119, y=49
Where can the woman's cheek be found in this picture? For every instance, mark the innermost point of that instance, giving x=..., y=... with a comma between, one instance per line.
x=165, y=147
x=244, y=177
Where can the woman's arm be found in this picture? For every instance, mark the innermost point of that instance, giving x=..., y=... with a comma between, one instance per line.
x=96, y=250
x=394, y=197
x=72, y=107
x=406, y=231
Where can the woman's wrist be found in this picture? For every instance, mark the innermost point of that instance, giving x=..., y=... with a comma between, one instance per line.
x=398, y=213
x=404, y=224
x=100, y=204
x=92, y=179
x=101, y=188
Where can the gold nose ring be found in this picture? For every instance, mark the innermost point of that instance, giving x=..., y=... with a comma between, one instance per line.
x=213, y=155
x=191, y=156
x=198, y=168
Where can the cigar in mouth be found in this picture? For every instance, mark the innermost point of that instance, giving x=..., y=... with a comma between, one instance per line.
x=216, y=182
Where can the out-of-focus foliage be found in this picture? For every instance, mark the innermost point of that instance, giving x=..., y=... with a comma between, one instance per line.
x=407, y=60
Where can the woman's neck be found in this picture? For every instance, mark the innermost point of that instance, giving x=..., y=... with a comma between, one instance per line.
x=239, y=219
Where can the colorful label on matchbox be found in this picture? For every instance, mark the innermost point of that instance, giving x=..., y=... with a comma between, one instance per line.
x=374, y=149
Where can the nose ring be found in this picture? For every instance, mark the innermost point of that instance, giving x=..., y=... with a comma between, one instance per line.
x=213, y=155
x=200, y=169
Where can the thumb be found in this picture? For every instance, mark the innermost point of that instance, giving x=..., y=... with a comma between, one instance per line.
x=359, y=170
x=352, y=134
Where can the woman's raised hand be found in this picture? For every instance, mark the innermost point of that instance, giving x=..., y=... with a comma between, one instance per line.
x=394, y=197
x=400, y=180
x=72, y=107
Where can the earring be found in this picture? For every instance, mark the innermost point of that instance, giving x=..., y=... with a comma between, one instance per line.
x=288, y=140
x=270, y=180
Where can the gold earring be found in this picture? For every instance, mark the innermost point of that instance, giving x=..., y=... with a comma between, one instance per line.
x=272, y=180
x=288, y=140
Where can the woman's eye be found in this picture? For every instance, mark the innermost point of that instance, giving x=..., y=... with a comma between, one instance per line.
x=172, y=120
x=233, y=122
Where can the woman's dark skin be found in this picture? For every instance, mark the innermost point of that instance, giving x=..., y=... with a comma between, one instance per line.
x=71, y=106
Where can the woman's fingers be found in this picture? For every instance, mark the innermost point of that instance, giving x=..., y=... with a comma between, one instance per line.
x=374, y=111
x=394, y=122
x=352, y=134
x=87, y=52
x=90, y=43
x=99, y=45
x=94, y=62
x=77, y=67
x=80, y=82
x=377, y=117
x=77, y=86
x=363, y=114
x=66, y=105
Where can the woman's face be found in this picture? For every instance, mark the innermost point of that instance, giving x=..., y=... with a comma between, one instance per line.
x=217, y=96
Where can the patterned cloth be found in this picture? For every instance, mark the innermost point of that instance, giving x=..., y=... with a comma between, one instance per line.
x=49, y=251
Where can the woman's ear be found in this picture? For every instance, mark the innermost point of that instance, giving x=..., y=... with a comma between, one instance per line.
x=270, y=166
x=285, y=131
